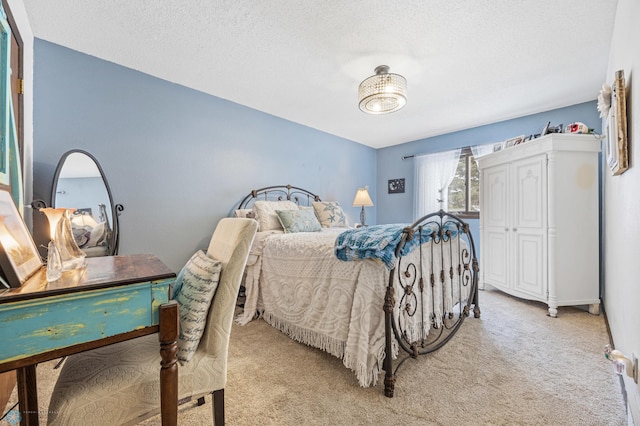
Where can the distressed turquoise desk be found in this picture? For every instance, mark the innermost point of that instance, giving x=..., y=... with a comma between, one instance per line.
x=112, y=299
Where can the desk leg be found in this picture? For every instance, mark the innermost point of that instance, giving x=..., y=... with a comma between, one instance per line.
x=28, y=395
x=169, y=326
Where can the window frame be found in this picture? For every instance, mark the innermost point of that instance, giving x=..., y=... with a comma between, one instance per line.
x=467, y=154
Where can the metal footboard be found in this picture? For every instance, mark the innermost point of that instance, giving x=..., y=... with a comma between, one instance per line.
x=431, y=289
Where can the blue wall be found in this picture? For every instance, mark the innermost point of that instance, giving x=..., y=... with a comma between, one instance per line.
x=393, y=208
x=177, y=159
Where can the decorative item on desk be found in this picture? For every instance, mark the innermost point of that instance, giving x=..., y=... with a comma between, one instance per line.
x=364, y=200
x=54, y=262
x=71, y=257
x=19, y=258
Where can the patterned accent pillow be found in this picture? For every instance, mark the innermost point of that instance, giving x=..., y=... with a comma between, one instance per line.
x=195, y=286
x=265, y=213
x=330, y=214
x=298, y=221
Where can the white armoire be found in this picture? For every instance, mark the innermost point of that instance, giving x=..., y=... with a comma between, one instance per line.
x=539, y=211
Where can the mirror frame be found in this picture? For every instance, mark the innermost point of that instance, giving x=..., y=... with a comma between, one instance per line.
x=116, y=209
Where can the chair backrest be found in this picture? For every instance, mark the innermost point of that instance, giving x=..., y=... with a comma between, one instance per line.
x=229, y=244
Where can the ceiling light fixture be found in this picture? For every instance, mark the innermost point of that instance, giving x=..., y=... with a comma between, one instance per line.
x=382, y=93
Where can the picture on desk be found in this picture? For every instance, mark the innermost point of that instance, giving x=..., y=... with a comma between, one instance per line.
x=19, y=258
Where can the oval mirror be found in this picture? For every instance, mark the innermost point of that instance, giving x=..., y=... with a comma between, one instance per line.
x=80, y=183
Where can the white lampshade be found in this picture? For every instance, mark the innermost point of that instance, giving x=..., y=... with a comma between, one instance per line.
x=383, y=92
x=362, y=198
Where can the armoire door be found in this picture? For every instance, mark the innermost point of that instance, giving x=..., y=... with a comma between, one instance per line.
x=529, y=226
x=495, y=243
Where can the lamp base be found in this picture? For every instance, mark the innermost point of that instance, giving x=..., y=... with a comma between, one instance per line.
x=363, y=217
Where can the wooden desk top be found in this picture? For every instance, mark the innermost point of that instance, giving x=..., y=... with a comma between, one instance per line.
x=99, y=272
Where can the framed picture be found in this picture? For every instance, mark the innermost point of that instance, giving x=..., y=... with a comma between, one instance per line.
x=545, y=129
x=19, y=258
x=617, y=151
x=396, y=186
x=612, y=139
x=513, y=141
x=5, y=99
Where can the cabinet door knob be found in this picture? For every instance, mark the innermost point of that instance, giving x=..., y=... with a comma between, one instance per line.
x=515, y=229
x=506, y=229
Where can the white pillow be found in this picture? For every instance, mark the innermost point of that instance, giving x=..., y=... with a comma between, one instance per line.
x=265, y=213
x=244, y=213
x=98, y=233
x=194, y=289
x=330, y=214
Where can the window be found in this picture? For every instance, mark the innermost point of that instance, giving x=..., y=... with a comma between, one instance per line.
x=464, y=190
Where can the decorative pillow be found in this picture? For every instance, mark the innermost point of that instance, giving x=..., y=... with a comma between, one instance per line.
x=81, y=234
x=266, y=215
x=330, y=214
x=98, y=234
x=245, y=213
x=298, y=221
x=194, y=289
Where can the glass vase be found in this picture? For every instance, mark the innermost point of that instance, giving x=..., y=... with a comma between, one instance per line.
x=70, y=254
x=54, y=263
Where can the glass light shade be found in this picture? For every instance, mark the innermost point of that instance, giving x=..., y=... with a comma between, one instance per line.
x=62, y=237
x=362, y=198
x=382, y=93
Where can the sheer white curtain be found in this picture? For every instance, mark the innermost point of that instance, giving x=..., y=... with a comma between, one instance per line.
x=480, y=150
x=433, y=174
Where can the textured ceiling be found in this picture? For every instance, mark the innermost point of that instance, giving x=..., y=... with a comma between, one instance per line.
x=467, y=62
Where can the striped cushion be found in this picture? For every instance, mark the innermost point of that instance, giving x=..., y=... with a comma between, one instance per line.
x=195, y=286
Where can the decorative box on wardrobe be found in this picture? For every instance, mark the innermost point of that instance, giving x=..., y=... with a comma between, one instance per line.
x=539, y=213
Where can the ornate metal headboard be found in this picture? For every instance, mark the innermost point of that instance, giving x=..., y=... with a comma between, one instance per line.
x=279, y=193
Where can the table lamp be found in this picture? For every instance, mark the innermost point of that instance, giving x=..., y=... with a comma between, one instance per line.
x=364, y=200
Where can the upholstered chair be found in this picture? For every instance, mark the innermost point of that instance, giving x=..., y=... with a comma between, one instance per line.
x=120, y=384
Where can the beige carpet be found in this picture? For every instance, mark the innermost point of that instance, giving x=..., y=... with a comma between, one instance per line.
x=513, y=366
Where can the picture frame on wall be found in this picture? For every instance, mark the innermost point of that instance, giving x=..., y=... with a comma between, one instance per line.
x=396, y=186
x=19, y=257
x=5, y=91
x=612, y=139
x=617, y=150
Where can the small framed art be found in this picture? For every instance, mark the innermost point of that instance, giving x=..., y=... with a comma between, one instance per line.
x=513, y=141
x=19, y=258
x=396, y=186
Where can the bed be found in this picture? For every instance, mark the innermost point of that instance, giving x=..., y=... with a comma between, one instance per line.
x=364, y=295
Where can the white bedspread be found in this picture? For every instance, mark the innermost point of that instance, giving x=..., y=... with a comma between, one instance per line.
x=295, y=282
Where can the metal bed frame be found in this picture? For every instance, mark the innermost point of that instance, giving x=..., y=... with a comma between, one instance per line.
x=411, y=280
